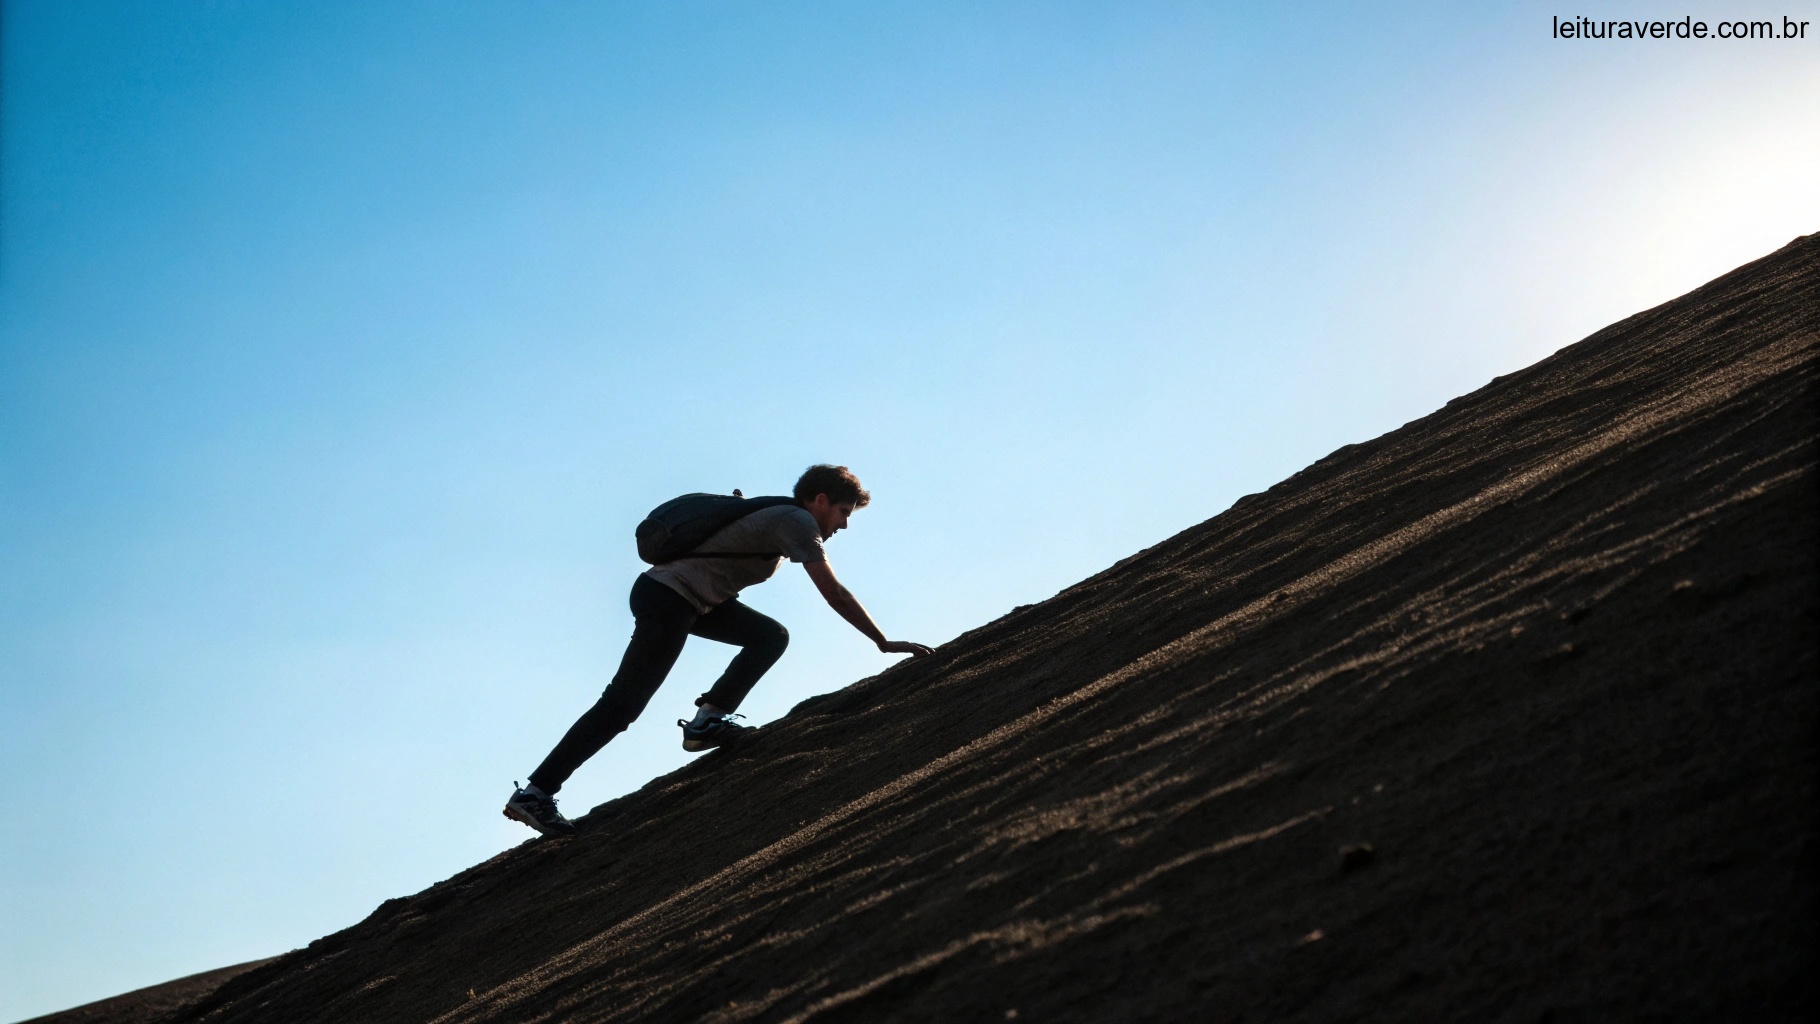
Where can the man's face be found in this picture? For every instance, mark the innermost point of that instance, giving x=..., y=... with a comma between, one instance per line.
x=830, y=516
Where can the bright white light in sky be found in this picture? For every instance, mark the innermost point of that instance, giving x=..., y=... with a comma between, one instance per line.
x=341, y=347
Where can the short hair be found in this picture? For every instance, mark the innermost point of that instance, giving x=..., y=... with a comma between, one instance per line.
x=837, y=482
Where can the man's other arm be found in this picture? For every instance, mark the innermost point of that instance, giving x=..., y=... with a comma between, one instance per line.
x=842, y=601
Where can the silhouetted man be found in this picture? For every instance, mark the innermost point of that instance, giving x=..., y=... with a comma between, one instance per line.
x=698, y=594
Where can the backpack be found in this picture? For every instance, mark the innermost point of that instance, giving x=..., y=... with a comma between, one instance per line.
x=681, y=525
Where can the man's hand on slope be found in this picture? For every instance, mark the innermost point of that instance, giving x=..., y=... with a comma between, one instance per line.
x=904, y=647
x=842, y=601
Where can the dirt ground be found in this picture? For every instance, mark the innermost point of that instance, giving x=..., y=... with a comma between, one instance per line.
x=154, y=1003
x=1507, y=715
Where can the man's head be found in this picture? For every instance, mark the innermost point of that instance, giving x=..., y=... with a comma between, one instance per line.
x=830, y=493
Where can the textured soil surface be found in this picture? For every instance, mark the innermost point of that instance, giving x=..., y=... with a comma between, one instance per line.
x=146, y=1005
x=1507, y=715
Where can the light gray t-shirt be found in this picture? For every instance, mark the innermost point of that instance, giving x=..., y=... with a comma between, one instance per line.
x=782, y=531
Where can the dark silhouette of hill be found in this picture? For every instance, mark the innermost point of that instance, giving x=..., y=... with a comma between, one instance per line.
x=152, y=1003
x=1505, y=715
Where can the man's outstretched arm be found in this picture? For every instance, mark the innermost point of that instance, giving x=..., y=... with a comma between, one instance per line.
x=842, y=600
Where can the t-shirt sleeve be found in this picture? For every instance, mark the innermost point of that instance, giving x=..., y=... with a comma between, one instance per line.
x=800, y=538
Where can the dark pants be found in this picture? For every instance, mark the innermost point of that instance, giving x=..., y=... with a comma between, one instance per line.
x=663, y=620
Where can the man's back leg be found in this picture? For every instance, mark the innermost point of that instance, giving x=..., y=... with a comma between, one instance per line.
x=662, y=622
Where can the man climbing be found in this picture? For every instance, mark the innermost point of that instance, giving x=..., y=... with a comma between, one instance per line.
x=697, y=594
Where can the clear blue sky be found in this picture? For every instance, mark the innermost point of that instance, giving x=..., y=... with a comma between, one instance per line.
x=343, y=344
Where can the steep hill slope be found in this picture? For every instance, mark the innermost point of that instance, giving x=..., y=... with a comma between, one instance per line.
x=1549, y=653
x=152, y=1003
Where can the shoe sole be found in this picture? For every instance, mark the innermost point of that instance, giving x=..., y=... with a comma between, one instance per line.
x=525, y=817
x=697, y=746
